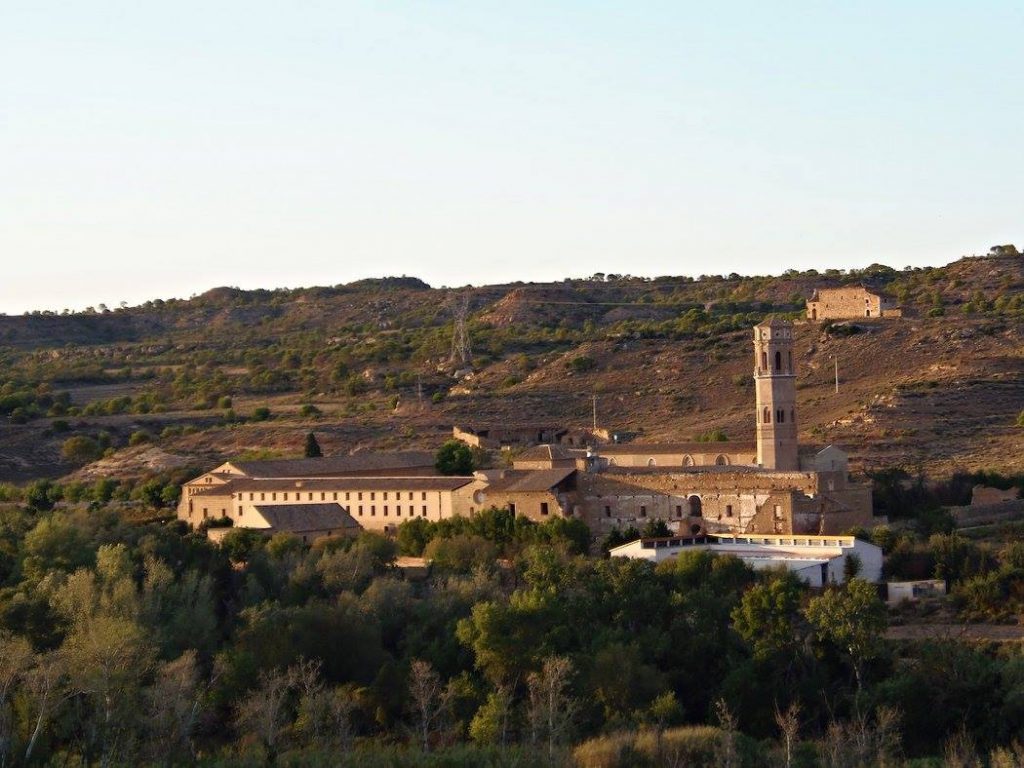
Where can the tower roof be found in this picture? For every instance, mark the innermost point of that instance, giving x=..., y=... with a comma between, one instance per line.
x=774, y=322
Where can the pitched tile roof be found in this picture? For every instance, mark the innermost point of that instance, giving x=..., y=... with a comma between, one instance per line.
x=419, y=483
x=728, y=446
x=516, y=480
x=329, y=466
x=548, y=452
x=300, y=518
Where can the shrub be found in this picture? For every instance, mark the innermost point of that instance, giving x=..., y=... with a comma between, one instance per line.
x=261, y=414
x=139, y=437
x=80, y=449
x=581, y=364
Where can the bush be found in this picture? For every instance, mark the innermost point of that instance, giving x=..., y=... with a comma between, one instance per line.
x=261, y=414
x=696, y=746
x=80, y=450
x=581, y=364
x=139, y=437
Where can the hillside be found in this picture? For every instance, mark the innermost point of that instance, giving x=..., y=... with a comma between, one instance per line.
x=366, y=365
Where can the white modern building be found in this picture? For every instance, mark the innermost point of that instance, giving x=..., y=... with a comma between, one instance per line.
x=818, y=560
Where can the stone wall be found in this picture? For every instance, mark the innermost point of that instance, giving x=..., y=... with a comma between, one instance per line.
x=740, y=501
x=530, y=504
x=727, y=500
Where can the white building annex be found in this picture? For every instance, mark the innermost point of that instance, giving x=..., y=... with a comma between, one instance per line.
x=817, y=560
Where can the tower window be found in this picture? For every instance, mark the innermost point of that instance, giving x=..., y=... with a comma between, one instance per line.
x=778, y=361
x=780, y=415
x=767, y=418
x=764, y=361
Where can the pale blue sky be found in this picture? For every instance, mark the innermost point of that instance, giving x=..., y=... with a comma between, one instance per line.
x=159, y=149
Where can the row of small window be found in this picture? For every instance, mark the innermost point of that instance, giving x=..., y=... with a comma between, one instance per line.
x=780, y=415
x=334, y=494
x=778, y=361
x=398, y=511
x=512, y=508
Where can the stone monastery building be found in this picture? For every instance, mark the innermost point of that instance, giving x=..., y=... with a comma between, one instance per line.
x=770, y=486
x=850, y=303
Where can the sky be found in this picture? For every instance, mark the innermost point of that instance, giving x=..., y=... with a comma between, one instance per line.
x=158, y=149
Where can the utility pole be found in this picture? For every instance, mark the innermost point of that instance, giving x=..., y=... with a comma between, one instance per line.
x=595, y=414
x=835, y=359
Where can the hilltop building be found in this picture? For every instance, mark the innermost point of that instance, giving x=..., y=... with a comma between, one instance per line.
x=771, y=485
x=850, y=303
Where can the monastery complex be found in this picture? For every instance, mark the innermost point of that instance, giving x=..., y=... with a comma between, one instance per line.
x=771, y=485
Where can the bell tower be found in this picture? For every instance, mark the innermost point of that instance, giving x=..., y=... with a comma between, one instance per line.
x=775, y=383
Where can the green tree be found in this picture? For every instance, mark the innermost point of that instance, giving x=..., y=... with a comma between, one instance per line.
x=454, y=458
x=852, y=619
x=80, y=449
x=768, y=615
x=312, y=450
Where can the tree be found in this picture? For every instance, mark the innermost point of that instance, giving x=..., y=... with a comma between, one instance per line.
x=108, y=657
x=491, y=722
x=767, y=615
x=551, y=710
x=263, y=712
x=45, y=690
x=852, y=566
x=312, y=450
x=454, y=458
x=789, y=725
x=80, y=449
x=175, y=701
x=15, y=657
x=429, y=700
x=852, y=619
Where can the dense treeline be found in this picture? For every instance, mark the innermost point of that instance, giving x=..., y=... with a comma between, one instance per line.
x=143, y=643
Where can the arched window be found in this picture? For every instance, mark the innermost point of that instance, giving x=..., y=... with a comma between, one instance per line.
x=687, y=460
x=789, y=356
x=764, y=361
x=695, y=507
x=780, y=415
x=651, y=462
x=767, y=417
x=778, y=361
x=721, y=461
